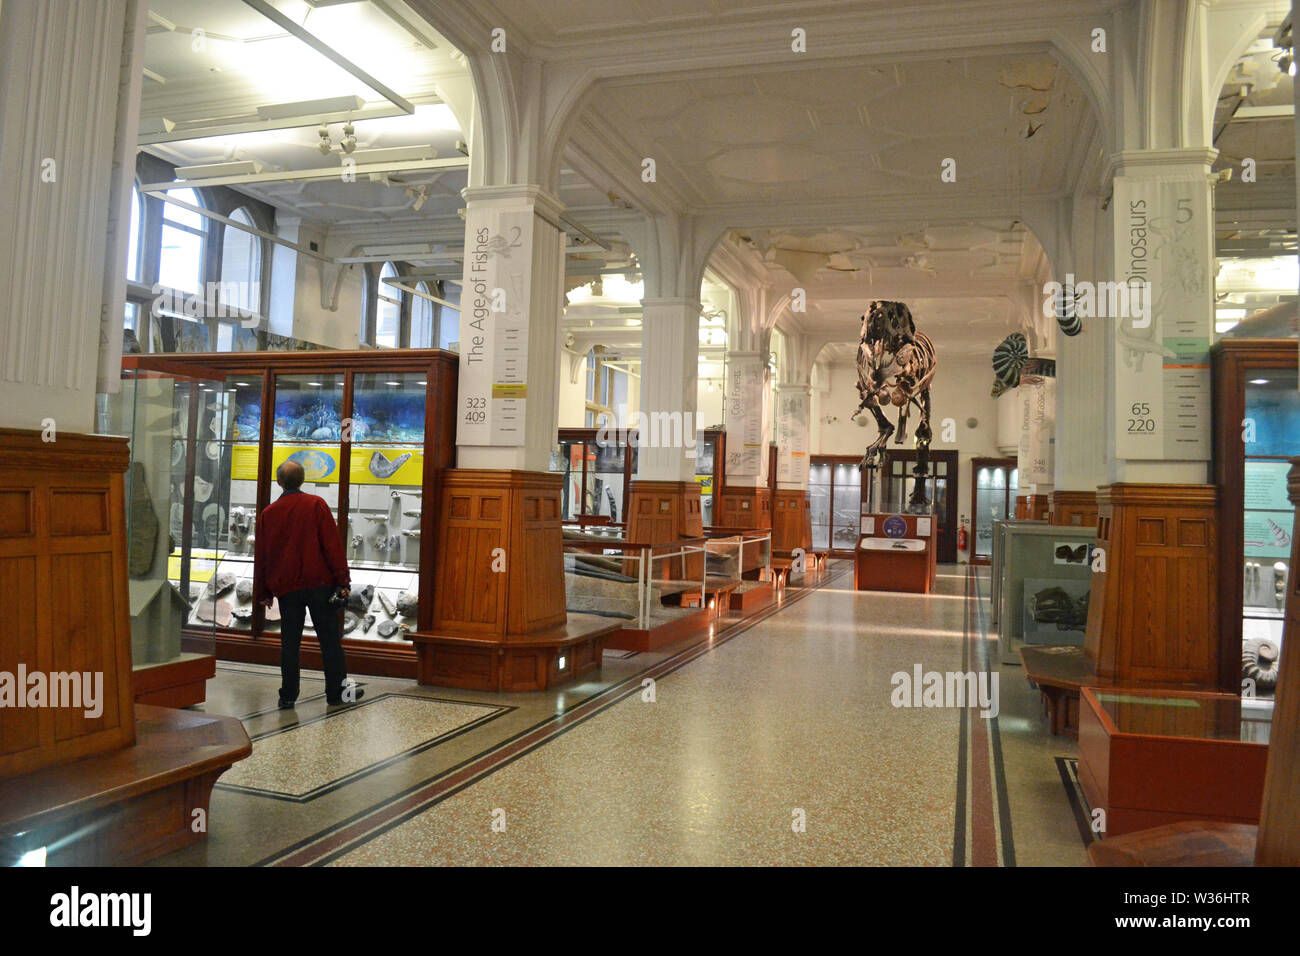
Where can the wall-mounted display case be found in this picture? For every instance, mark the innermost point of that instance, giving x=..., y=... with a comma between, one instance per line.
x=1257, y=429
x=993, y=494
x=373, y=431
x=710, y=460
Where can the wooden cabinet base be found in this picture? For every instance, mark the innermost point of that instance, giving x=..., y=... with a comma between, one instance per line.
x=130, y=805
x=678, y=629
x=179, y=683
x=753, y=598
x=791, y=521
x=376, y=658
x=663, y=511
x=536, y=661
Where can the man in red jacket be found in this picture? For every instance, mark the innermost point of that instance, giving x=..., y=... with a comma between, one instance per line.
x=299, y=560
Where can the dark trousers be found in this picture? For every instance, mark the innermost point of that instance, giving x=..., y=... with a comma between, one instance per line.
x=293, y=614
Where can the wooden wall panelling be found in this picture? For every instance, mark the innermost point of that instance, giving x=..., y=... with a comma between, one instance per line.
x=1153, y=614
x=63, y=549
x=1072, y=508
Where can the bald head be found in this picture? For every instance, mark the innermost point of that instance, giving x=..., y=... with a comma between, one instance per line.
x=290, y=475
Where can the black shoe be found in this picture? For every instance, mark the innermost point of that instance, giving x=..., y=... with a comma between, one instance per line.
x=287, y=704
x=357, y=694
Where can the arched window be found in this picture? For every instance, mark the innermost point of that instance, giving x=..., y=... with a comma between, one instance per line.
x=422, y=319
x=388, y=309
x=133, y=237
x=241, y=265
x=180, y=264
x=449, y=318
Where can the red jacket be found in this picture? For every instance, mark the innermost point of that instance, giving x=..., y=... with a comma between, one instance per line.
x=297, y=547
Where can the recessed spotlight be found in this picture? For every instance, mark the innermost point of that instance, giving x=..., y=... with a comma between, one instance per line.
x=1259, y=381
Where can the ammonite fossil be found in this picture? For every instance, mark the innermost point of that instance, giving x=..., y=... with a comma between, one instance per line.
x=1259, y=664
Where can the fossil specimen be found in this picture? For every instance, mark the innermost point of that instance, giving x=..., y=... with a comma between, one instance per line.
x=1259, y=663
x=202, y=489
x=273, y=612
x=367, y=623
x=244, y=589
x=242, y=613
x=387, y=604
x=350, y=621
x=387, y=628
x=381, y=467
x=359, y=600
x=144, y=524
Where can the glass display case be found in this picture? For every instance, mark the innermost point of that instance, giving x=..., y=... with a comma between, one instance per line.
x=359, y=424
x=597, y=474
x=177, y=497
x=1257, y=416
x=941, y=490
x=993, y=494
x=834, y=500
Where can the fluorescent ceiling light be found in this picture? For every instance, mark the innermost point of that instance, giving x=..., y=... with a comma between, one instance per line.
x=395, y=154
x=235, y=168
x=334, y=104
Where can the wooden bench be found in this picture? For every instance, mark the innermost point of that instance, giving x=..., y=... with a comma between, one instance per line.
x=126, y=806
x=1200, y=843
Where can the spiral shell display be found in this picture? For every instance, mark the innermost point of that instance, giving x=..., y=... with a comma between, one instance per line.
x=1008, y=359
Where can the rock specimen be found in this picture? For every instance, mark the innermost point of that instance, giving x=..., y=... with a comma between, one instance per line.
x=387, y=603
x=350, y=621
x=215, y=611
x=244, y=589
x=387, y=628
x=408, y=604
x=219, y=583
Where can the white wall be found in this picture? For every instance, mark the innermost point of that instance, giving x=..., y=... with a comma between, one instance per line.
x=338, y=328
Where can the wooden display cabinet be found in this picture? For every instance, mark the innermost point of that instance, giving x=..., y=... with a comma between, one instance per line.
x=416, y=388
x=582, y=461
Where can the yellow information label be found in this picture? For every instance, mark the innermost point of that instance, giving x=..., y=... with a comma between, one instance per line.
x=371, y=465
x=243, y=462
x=518, y=390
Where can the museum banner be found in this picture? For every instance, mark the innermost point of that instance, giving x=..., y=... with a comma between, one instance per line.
x=1037, y=397
x=746, y=382
x=793, y=408
x=1162, y=304
x=493, y=382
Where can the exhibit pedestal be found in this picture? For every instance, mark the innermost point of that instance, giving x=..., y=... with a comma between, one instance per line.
x=743, y=507
x=661, y=512
x=1072, y=508
x=895, y=553
x=1153, y=616
x=500, y=622
x=122, y=786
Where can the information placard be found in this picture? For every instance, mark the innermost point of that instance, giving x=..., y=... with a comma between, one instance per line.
x=745, y=386
x=792, y=435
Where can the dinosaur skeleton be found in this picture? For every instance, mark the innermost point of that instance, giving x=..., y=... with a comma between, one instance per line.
x=896, y=364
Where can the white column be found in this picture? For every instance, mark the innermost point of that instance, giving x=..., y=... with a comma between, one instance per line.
x=69, y=109
x=747, y=432
x=511, y=299
x=670, y=361
x=793, y=425
x=1159, y=408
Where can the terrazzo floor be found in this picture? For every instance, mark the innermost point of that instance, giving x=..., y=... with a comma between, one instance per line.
x=776, y=741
